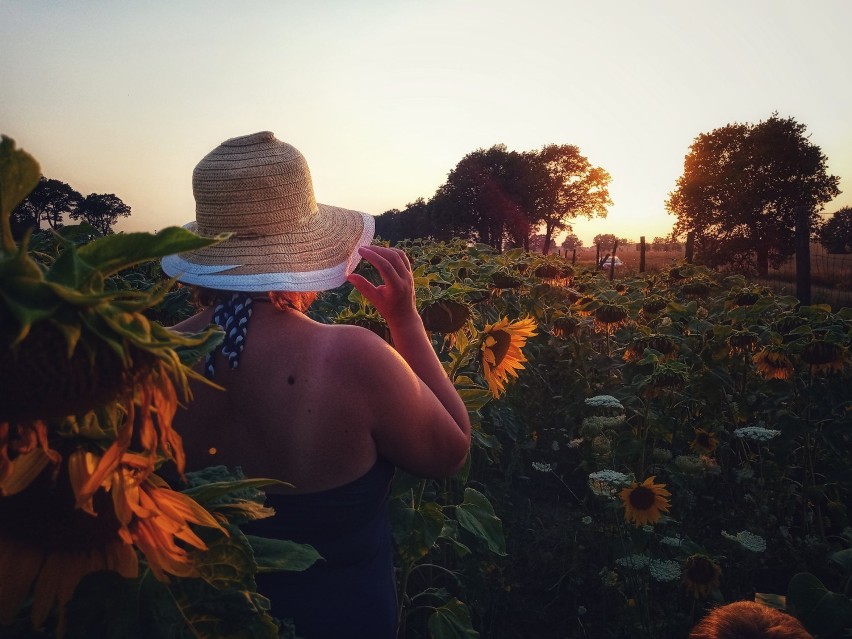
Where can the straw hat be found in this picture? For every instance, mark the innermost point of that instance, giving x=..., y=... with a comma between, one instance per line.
x=259, y=189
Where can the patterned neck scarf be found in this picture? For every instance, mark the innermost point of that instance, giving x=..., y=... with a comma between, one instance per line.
x=233, y=316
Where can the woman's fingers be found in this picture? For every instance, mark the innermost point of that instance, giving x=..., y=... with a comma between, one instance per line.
x=391, y=258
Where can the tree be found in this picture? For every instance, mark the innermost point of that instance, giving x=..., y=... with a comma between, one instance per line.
x=571, y=242
x=413, y=221
x=101, y=211
x=485, y=198
x=836, y=234
x=537, y=243
x=606, y=241
x=49, y=202
x=740, y=187
x=564, y=186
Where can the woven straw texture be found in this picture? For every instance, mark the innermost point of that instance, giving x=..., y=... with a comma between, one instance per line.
x=259, y=190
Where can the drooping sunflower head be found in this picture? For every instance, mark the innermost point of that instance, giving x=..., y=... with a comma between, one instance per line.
x=609, y=318
x=645, y=502
x=564, y=326
x=703, y=441
x=653, y=305
x=667, y=376
x=742, y=342
x=696, y=289
x=823, y=357
x=501, y=351
x=701, y=575
x=660, y=343
x=772, y=363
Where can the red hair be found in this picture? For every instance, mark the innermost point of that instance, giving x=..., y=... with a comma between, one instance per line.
x=748, y=620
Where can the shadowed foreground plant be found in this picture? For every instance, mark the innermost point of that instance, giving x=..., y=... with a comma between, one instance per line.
x=90, y=388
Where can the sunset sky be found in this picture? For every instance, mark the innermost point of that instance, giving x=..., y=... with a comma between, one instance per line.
x=384, y=97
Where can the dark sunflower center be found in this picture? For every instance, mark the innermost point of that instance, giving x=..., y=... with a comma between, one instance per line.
x=502, y=342
x=700, y=571
x=703, y=440
x=642, y=498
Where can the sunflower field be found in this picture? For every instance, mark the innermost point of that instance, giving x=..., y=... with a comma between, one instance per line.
x=644, y=448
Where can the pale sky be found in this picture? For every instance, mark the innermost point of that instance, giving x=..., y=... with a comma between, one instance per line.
x=384, y=97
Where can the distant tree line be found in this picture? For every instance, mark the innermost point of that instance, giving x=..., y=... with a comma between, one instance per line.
x=743, y=189
x=52, y=202
x=500, y=197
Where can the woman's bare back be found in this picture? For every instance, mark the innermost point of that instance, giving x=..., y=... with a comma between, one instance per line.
x=290, y=411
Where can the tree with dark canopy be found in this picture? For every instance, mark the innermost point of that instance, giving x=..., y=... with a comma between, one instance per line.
x=836, y=234
x=566, y=185
x=101, y=211
x=487, y=198
x=48, y=202
x=741, y=186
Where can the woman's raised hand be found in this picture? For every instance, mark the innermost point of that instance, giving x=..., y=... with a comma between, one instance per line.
x=394, y=298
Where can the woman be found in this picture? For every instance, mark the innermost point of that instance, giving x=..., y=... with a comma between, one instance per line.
x=330, y=409
x=748, y=620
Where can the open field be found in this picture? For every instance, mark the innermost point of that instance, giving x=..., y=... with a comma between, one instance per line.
x=831, y=274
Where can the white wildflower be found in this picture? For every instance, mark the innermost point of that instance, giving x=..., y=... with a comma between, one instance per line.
x=758, y=433
x=554, y=445
x=664, y=569
x=675, y=542
x=542, y=467
x=747, y=540
x=581, y=610
x=606, y=483
x=603, y=401
x=586, y=520
x=636, y=562
x=666, y=321
x=575, y=443
x=648, y=528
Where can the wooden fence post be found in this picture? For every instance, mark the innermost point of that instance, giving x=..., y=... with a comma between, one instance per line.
x=803, y=255
x=574, y=257
x=598, y=257
x=690, y=246
x=642, y=254
x=612, y=262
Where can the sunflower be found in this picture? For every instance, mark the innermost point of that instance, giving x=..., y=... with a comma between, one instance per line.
x=742, y=342
x=823, y=357
x=703, y=441
x=501, y=351
x=772, y=362
x=644, y=502
x=59, y=530
x=701, y=575
x=49, y=545
x=609, y=318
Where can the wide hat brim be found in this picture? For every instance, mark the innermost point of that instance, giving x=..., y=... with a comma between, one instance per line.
x=317, y=256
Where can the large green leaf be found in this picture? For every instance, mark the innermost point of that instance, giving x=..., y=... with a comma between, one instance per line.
x=207, y=494
x=451, y=621
x=19, y=174
x=476, y=515
x=821, y=611
x=113, y=253
x=276, y=555
x=415, y=530
x=224, y=601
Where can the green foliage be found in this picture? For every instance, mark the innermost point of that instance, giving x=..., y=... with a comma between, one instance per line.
x=836, y=234
x=824, y=613
x=741, y=187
